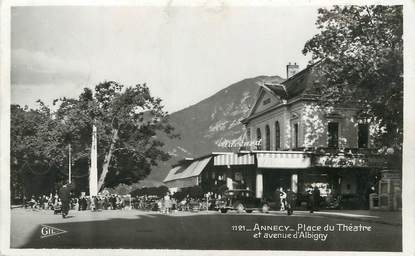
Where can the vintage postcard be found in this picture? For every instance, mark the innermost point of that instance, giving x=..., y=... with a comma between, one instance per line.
x=224, y=127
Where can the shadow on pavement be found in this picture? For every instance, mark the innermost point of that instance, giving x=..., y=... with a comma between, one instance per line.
x=209, y=231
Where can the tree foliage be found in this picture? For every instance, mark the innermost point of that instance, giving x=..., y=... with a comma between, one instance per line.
x=361, y=54
x=128, y=120
x=35, y=151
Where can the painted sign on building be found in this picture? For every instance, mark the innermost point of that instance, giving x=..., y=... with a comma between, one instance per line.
x=237, y=143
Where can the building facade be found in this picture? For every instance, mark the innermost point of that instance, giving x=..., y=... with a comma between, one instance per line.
x=302, y=144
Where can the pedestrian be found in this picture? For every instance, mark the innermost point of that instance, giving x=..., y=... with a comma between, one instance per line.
x=32, y=202
x=44, y=202
x=56, y=206
x=105, y=203
x=50, y=202
x=24, y=201
x=290, y=201
x=93, y=203
x=121, y=202
x=65, y=193
x=88, y=202
x=76, y=204
x=314, y=199
x=283, y=196
x=82, y=203
x=167, y=203
x=277, y=199
x=114, y=202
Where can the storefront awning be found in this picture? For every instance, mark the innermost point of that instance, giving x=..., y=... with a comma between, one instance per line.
x=196, y=167
x=283, y=160
x=187, y=170
x=234, y=159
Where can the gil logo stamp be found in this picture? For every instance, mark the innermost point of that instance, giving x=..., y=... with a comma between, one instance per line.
x=47, y=231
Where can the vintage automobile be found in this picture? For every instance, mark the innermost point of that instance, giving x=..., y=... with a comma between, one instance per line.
x=241, y=200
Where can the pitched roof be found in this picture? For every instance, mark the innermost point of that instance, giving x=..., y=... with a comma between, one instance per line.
x=297, y=84
x=302, y=83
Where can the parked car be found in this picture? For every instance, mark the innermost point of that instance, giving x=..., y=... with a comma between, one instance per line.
x=241, y=200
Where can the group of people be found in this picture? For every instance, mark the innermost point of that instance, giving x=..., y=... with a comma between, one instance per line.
x=101, y=202
x=165, y=204
x=63, y=201
x=60, y=202
x=43, y=202
x=285, y=201
x=169, y=202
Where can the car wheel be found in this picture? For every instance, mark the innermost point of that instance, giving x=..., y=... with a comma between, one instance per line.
x=240, y=208
x=249, y=211
x=265, y=208
x=223, y=210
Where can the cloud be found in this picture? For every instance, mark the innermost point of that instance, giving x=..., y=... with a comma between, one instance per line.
x=37, y=68
x=28, y=94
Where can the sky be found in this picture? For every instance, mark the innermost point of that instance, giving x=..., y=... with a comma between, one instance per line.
x=184, y=54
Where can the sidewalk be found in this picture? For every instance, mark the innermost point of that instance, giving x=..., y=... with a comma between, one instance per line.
x=383, y=217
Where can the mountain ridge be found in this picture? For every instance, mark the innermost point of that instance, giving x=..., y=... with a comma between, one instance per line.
x=204, y=123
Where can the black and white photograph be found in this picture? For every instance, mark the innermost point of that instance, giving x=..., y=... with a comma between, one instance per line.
x=205, y=126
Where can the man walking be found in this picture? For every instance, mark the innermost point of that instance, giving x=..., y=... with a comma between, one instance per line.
x=314, y=199
x=65, y=193
x=290, y=201
x=277, y=199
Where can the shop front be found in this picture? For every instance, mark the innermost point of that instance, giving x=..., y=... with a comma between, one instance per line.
x=347, y=188
x=238, y=169
x=264, y=172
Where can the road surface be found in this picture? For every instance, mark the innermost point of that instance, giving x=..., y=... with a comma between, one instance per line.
x=134, y=229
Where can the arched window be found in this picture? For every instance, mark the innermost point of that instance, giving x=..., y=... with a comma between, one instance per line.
x=258, y=137
x=295, y=136
x=247, y=139
x=267, y=138
x=277, y=136
x=333, y=135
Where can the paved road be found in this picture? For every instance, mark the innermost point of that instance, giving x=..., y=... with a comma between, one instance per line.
x=203, y=230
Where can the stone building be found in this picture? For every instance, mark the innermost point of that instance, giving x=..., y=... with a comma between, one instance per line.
x=299, y=144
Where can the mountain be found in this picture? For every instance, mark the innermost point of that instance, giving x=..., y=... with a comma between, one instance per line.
x=202, y=125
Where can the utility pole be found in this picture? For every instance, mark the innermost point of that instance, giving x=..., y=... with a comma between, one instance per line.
x=70, y=164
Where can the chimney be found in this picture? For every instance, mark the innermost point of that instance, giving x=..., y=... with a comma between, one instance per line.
x=292, y=69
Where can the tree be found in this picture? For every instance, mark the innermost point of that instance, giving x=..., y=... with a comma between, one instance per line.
x=128, y=120
x=35, y=151
x=361, y=54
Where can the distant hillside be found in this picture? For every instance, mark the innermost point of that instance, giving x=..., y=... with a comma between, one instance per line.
x=203, y=124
